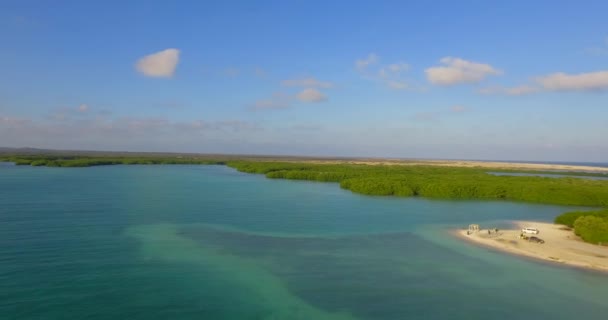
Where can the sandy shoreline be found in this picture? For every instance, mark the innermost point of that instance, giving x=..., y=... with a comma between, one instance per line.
x=463, y=164
x=561, y=245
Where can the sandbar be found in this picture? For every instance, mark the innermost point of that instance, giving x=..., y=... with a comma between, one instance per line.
x=560, y=245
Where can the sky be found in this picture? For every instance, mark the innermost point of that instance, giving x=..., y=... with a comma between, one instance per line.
x=490, y=80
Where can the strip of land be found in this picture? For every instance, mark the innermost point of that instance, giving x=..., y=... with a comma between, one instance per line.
x=462, y=164
x=560, y=245
x=497, y=165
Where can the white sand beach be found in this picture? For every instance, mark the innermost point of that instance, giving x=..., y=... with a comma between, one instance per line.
x=461, y=164
x=560, y=245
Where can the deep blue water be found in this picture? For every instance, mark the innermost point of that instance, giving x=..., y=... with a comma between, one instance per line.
x=207, y=242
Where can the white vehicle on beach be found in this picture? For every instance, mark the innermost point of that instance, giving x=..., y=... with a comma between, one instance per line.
x=530, y=231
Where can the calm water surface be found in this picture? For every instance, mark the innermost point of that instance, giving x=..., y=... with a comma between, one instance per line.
x=206, y=242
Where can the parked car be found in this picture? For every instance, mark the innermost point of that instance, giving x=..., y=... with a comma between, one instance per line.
x=530, y=230
x=536, y=240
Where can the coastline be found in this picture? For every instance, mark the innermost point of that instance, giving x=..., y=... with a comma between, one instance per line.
x=466, y=164
x=561, y=245
x=198, y=157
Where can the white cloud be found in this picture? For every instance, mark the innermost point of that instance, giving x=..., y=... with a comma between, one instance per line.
x=591, y=81
x=311, y=95
x=459, y=71
x=161, y=64
x=511, y=91
x=362, y=64
x=307, y=82
x=83, y=108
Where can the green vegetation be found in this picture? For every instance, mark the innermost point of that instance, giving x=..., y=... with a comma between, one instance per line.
x=569, y=218
x=89, y=161
x=591, y=226
x=438, y=182
x=592, y=229
x=385, y=180
x=456, y=183
x=397, y=180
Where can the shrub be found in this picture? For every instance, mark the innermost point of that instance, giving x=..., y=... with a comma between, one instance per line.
x=592, y=229
x=569, y=218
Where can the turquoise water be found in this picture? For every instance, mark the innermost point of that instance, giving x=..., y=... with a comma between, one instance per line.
x=207, y=242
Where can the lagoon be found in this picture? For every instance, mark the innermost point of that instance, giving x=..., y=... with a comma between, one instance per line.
x=208, y=242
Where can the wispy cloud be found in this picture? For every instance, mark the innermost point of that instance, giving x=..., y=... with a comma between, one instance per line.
x=510, y=91
x=555, y=82
x=458, y=109
x=307, y=127
x=459, y=71
x=65, y=113
x=311, y=95
x=390, y=75
x=393, y=70
x=362, y=64
x=13, y=122
x=278, y=100
x=160, y=64
x=110, y=128
x=437, y=115
x=590, y=81
x=170, y=104
x=397, y=85
x=309, y=82
x=426, y=116
x=601, y=50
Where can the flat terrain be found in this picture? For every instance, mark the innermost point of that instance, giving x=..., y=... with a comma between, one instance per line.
x=561, y=245
x=464, y=164
x=319, y=160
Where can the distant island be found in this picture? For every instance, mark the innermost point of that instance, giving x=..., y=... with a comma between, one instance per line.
x=438, y=179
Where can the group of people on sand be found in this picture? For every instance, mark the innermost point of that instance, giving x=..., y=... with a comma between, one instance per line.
x=495, y=230
x=490, y=231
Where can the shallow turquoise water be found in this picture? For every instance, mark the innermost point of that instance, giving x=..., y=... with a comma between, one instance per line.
x=206, y=242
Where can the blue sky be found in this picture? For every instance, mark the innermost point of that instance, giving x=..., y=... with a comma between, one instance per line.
x=517, y=80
